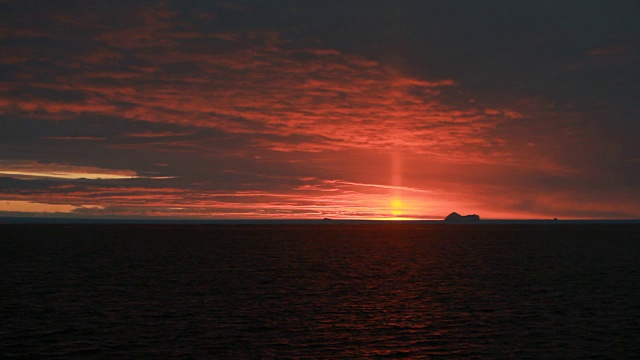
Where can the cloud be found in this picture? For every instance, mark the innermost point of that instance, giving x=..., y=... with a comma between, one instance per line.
x=609, y=51
x=201, y=111
x=340, y=183
x=75, y=138
x=150, y=134
x=259, y=85
x=21, y=206
x=32, y=169
x=124, y=198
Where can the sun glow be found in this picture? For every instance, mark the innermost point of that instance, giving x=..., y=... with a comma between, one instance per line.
x=397, y=207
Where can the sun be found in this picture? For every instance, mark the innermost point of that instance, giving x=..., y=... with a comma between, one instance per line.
x=397, y=207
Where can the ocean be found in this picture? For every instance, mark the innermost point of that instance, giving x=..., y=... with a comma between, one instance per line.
x=320, y=291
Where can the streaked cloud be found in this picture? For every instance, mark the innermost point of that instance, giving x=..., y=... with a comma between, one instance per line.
x=31, y=169
x=21, y=206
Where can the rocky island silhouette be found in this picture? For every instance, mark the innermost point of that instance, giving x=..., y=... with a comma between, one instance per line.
x=456, y=218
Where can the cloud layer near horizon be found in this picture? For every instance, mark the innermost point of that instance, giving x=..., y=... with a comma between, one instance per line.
x=176, y=112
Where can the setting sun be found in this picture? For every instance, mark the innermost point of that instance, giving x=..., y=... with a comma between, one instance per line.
x=397, y=207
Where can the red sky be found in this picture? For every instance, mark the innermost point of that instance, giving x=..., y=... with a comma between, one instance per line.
x=245, y=110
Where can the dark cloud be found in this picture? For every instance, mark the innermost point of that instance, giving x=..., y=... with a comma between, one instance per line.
x=299, y=108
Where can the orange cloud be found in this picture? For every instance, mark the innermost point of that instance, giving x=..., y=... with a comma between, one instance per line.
x=21, y=206
x=259, y=86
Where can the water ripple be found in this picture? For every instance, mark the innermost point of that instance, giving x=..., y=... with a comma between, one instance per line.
x=244, y=292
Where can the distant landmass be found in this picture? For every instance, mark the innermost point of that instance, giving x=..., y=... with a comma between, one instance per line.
x=454, y=217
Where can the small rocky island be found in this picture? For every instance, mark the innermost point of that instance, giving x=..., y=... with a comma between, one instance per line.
x=456, y=218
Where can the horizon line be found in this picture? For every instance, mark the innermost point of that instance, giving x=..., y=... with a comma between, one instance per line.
x=118, y=220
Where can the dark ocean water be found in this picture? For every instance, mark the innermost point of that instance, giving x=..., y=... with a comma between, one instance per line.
x=320, y=291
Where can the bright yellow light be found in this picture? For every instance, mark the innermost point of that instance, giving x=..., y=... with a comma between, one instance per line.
x=397, y=207
x=29, y=206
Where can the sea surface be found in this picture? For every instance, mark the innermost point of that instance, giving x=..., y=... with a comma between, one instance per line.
x=320, y=291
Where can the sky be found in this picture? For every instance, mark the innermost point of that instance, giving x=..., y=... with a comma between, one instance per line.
x=247, y=109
